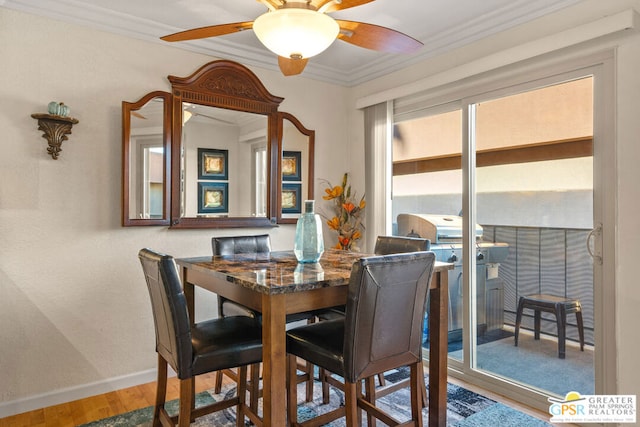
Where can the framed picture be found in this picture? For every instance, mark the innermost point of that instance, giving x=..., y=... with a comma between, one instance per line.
x=291, y=202
x=213, y=197
x=291, y=166
x=212, y=164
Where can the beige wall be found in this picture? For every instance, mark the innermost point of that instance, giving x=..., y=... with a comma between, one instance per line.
x=74, y=310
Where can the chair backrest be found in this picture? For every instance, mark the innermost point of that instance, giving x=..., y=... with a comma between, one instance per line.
x=241, y=244
x=397, y=244
x=385, y=312
x=232, y=245
x=169, y=306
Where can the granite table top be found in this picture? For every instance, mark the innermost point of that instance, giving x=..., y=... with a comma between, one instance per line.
x=278, y=271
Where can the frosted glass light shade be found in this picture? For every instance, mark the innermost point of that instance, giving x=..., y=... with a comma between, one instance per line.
x=296, y=33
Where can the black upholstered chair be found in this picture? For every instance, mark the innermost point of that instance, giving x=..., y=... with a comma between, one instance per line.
x=233, y=245
x=381, y=330
x=194, y=349
x=385, y=245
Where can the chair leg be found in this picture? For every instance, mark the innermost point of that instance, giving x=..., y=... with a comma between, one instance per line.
x=218, y=385
x=254, y=390
x=186, y=402
x=219, y=378
x=561, y=320
x=242, y=393
x=580, y=329
x=370, y=396
x=518, y=319
x=161, y=391
x=292, y=389
x=309, y=368
x=351, y=404
x=417, y=377
x=423, y=388
x=325, y=386
x=537, y=317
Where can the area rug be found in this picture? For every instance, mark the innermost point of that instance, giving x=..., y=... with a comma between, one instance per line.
x=464, y=409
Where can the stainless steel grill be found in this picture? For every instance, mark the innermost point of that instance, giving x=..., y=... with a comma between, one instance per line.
x=445, y=233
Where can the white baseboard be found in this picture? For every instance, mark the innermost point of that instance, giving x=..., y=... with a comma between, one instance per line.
x=69, y=394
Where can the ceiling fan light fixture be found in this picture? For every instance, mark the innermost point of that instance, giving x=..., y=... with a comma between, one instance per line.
x=296, y=33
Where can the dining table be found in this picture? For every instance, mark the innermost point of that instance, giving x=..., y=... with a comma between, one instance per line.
x=275, y=284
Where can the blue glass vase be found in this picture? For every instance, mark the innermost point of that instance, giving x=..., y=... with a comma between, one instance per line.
x=309, y=244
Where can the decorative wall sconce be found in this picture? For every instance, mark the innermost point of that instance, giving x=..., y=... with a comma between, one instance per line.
x=56, y=126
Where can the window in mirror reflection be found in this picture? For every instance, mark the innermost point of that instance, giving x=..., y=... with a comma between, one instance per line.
x=260, y=179
x=147, y=187
x=243, y=137
x=146, y=159
x=154, y=158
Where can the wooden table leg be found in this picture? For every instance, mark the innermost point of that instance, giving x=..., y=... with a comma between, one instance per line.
x=274, y=351
x=438, y=349
x=189, y=295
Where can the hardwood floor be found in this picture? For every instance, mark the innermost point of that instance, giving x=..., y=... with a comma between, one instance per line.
x=101, y=406
x=117, y=402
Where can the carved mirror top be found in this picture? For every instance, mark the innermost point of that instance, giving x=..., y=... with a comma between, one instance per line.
x=226, y=84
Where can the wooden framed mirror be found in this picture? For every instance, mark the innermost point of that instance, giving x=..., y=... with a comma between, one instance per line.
x=296, y=151
x=146, y=155
x=241, y=116
x=210, y=154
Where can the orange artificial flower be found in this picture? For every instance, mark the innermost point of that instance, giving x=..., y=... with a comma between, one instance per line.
x=332, y=193
x=349, y=207
x=356, y=235
x=344, y=241
x=334, y=223
x=362, y=204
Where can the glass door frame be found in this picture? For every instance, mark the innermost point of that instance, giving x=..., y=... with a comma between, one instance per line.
x=517, y=79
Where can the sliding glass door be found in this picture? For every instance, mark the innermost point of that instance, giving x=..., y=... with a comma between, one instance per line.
x=509, y=186
x=534, y=195
x=427, y=185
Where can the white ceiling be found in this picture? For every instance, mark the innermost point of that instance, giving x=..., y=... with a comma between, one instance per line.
x=441, y=25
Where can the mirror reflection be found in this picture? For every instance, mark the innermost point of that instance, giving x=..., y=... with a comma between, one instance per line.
x=223, y=162
x=145, y=141
x=147, y=160
x=296, y=167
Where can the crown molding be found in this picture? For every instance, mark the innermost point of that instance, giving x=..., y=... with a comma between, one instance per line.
x=84, y=14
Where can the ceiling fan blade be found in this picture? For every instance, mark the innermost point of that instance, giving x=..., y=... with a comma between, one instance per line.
x=291, y=67
x=375, y=37
x=326, y=6
x=271, y=4
x=211, y=31
x=138, y=115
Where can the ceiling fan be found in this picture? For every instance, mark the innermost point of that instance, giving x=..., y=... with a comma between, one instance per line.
x=297, y=30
